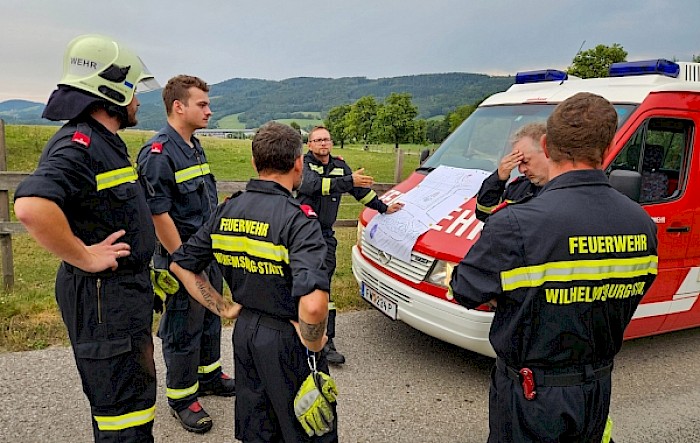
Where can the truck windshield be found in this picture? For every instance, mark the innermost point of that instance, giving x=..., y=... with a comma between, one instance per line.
x=484, y=137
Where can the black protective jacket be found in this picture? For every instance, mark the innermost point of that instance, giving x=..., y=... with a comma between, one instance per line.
x=182, y=182
x=86, y=170
x=324, y=185
x=268, y=247
x=494, y=191
x=567, y=269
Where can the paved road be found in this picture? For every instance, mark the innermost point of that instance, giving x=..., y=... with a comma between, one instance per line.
x=398, y=386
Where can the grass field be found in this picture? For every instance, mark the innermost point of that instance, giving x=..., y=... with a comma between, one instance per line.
x=29, y=318
x=230, y=122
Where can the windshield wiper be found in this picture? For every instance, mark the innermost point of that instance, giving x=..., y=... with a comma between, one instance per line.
x=426, y=168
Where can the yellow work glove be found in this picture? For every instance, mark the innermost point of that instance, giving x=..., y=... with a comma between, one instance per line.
x=164, y=284
x=327, y=386
x=312, y=404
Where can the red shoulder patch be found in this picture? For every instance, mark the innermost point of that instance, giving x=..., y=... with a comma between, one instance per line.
x=157, y=147
x=81, y=139
x=308, y=211
x=339, y=157
x=500, y=206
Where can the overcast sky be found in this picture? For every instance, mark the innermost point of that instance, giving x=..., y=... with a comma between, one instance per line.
x=222, y=39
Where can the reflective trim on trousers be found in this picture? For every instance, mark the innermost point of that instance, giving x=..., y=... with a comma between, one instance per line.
x=124, y=421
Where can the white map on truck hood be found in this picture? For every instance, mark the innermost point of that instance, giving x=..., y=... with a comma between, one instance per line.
x=444, y=190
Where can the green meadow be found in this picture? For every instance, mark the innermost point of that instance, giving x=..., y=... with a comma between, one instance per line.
x=29, y=318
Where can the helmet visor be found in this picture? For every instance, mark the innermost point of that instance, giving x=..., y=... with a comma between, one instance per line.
x=146, y=81
x=147, y=84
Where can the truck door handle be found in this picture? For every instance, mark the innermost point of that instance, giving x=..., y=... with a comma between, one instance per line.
x=678, y=229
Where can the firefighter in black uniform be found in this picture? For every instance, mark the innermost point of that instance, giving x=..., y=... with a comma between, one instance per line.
x=84, y=204
x=566, y=271
x=326, y=178
x=184, y=197
x=528, y=157
x=271, y=252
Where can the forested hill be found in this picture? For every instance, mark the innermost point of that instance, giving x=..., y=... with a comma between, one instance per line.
x=257, y=101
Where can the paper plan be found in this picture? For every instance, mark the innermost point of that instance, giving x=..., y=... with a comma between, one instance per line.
x=444, y=190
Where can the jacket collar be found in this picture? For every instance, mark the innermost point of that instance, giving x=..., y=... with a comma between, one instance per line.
x=312, y=159
x=267, y=187
x=581, y=177
x=181, y=143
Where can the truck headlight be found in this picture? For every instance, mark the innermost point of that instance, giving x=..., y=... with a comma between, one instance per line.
x=441, y=273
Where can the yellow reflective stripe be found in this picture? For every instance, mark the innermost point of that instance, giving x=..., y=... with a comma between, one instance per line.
x=486, y=209
x=595, y=270
x=177, y=394
x=209, y=368
x=337, y=171
x=124, y=421
x=116, y=177
x=331, y=306
x=316, y=168
x=368, y=198
x=249, y=246
x=325, y=186
x=607, y=433
x=192, y=172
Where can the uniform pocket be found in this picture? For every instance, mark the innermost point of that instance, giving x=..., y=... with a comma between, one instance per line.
x=191, y=197
x=173, y=324
x=104, y=368
x=120, y=206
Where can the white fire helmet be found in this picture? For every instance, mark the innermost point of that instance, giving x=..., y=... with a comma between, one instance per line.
x=101, y=66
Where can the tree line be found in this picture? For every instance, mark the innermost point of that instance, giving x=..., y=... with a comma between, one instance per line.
x=395, y=120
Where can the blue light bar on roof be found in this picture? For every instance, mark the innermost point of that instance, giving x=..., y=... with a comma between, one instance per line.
x=659, y=66
x=544, y=75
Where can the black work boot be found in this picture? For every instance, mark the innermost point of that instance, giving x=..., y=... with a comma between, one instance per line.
x=332, y=355
x=224, y=386
x=193, y=418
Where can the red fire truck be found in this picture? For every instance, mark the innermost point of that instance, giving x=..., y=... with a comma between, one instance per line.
x=656, y=147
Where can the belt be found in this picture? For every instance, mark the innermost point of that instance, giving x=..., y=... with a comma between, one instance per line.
x=544, y=377
x=160, y=250
x=276, y=323
x=103, y=274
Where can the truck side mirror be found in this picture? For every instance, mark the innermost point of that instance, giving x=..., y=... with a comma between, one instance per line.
x=424, y=154
x=627, y=182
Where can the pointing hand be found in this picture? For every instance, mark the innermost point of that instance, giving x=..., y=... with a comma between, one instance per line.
x=359, y=180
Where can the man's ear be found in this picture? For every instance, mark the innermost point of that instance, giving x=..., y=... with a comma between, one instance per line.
x=543, y=144
x=252, y=162
x=299, y=164
x=177, y=107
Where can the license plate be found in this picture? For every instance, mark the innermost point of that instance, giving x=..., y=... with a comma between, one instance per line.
x=383, y=304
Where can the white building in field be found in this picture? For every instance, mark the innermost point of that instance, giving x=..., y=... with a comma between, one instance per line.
x=226, y=133
x=236, y=133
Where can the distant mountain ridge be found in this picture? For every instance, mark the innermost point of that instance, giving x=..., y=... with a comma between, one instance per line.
x=257, y=101
x=22, y=112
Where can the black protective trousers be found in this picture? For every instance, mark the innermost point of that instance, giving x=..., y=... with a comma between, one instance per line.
x=572, y=414
x=191, y=336
x=271, y=365
x=330, y=261
x=109, y=322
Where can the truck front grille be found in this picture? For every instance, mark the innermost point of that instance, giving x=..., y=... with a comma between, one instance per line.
x=415, y=271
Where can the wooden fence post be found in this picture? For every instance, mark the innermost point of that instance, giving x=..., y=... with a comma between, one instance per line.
x=8, y=272
x=398, y=172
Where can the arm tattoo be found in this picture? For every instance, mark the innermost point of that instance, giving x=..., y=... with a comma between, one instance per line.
x=203, y=286
x=312, y=332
